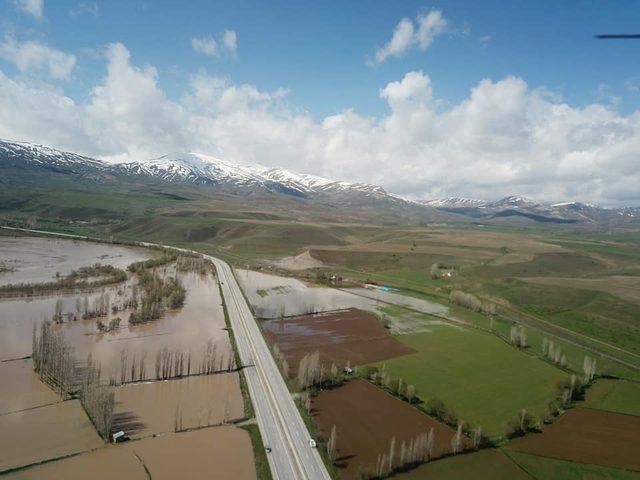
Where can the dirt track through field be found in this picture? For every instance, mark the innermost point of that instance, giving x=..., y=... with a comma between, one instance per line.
x=589, y=436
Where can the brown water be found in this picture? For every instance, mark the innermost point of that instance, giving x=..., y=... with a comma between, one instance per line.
x=272, y=296
x=220, y=452
x=108, y=463
x=158, y=407
x=21, y=388
x=36, y=259
x=210, y=453
x=188, y=330
x=43, y=433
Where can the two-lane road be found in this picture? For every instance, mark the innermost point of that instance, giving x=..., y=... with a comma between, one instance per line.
x=279, y=420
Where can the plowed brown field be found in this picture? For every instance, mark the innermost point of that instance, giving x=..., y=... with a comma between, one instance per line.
x=366, y=419
x=589, y=436
x=346, y=336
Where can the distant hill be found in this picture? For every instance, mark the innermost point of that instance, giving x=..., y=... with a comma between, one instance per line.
x=30, y=165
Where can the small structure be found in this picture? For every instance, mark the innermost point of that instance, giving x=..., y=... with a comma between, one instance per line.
x=118, y=437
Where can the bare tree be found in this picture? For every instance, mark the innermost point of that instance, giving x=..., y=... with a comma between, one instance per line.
x=332, y=445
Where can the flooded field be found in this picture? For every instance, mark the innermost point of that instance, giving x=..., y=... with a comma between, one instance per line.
x=35, y=259
x=21, y=387
x=418, y=304
x=188, y=330
x=350, y=336
x=159, y=407
x=108, y=463
x=366, y=420
x=273, y=297
x=220, y=452
x=43, y=433
x=36, y=425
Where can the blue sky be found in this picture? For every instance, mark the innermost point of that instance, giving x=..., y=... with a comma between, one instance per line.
x=318, y=50
x=426, y=98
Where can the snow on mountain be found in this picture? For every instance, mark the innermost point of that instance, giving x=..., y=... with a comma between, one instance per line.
x=454, y=202
x=195, y=168
x=44, y=156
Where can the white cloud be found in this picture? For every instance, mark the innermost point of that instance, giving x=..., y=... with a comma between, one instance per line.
x=504, y=138
x=82, y=8
x=632, y=84
x=35, y=8
x=34, y=56
x=209, y=46
x=230, y=41
x=406, y=35
x=206, y=46
x=485, y=40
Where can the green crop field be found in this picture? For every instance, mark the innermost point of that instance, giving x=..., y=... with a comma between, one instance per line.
x=553, y=469
x=615, y=396
x=482, y=379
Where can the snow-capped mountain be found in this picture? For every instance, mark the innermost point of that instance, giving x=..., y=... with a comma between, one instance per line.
x=525, y=209
x=454, y=202
x=190, y=168
x=24, y=164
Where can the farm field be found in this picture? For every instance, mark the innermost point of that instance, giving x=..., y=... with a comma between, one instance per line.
x=224, y=450
x=553, y=469
x=105, y=463
x=44, y=433
x=489, y=464
x=615, y=396
x=366, y=420
x=273, y=296
x=150, y=408
x=588, y=436
x=21, y=387
x=347, y=336
x=482, y=379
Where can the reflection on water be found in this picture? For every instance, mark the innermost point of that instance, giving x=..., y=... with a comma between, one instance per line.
x=156, y=407
x=36, y=260
x=190, y=329
x=274, y=297
x=415, y=303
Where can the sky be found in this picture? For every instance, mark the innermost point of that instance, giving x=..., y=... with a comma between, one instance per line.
x=426, y=98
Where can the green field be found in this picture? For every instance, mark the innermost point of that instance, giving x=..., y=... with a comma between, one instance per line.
x=615, y=396
x=546, y=468
x=482, y=379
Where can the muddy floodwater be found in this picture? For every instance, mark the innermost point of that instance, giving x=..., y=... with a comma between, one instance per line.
x=219, y=452
x=158, y=407
x=188, y=330
x=37, y=426
x=38, y=434
x=21, y=388
x=37, y=260
x=272, y=296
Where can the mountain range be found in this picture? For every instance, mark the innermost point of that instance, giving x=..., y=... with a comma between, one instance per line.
x=26, y=164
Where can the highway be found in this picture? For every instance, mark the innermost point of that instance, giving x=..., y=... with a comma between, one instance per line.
x=281, y=425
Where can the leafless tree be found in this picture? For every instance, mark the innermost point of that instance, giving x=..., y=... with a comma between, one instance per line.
x=332, y=445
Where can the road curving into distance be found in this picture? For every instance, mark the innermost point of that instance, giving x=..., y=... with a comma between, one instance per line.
x=281, y=425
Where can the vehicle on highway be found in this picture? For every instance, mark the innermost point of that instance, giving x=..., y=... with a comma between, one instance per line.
x=312, y=443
